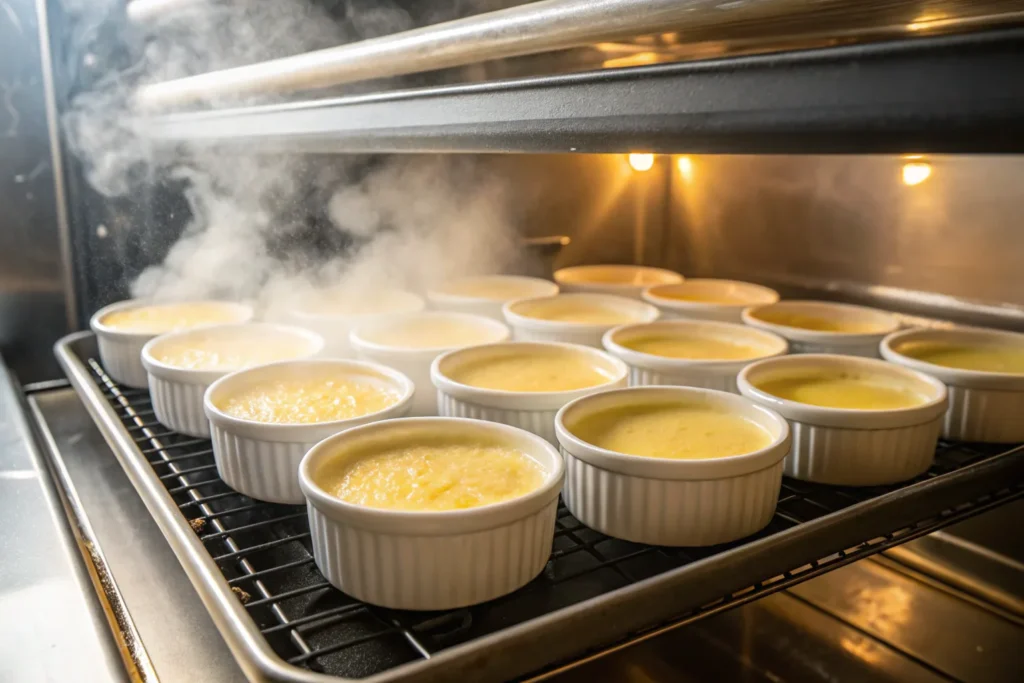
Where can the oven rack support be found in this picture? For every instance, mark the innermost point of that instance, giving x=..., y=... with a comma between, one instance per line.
x=236, y=550
x=952, y=94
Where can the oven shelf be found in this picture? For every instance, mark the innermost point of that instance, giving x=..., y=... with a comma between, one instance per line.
x=251, y=561
x=945, y=94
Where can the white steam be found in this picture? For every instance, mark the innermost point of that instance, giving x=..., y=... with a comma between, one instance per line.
x=264, y=227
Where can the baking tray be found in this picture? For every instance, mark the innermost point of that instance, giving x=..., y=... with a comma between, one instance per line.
x=250, y=563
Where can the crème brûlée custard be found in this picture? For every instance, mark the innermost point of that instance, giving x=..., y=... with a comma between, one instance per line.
x=697, y=347
x=325, y=398
x=678, y=431
x=218, y=352
x=431, y=332
x=1004, y=358
x=532, y=370
x=572, y=310
x=432, y=474
x=818, y=323
x=843, y=389
x=159, y=318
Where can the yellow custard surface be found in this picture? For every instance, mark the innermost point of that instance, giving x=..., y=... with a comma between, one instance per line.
x=324, y=398
x=433, y=475
x=980, y=357
x=221, y=353
x=574, y=311
x=624, y=275
x=818, y=323
x=676, y=431
x=692, y=346
x=428, y=333
x=159, y=318
x=843, y=390
x=495, y=290
x=703, y=297
x=532, y=371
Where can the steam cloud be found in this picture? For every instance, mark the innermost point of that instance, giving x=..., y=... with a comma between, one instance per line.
x=264, y=227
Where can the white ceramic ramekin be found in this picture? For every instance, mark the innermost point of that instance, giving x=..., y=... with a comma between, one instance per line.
x=621, y=280
x=533, y=411
x=312, y=311
x=983, y=406
x=647, y=369
x=177, y=393
x=431, y=560
x=661, y=501
x=848, y=447
x=261, y=459
x=526, y=327
x=121, y=351
x=668, y=299
x=813, y=341
x=458, y=295
x=415, y=362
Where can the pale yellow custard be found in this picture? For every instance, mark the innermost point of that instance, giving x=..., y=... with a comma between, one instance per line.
x=692, y=346
x=221, y=353
x=497, y=289
x=676, y=431
x=697, y=296
x=818, y=323
x=983, y=357
x=431, y=333
x=433, y=474
x=534, y=370
x=574, y=311
x=327, y=397
x=834, y=389
x=159, y=318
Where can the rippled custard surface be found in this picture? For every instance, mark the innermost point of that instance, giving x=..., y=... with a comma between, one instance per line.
x=844, y=390
x=982, y=357
x=160, y=318
x=673, y=431
x=575, y=312
x=710, y=297
x=818, y=323
x=692, y=346
x=311, y=400
x=547, y=370
x=210, y=352
x=434, y=475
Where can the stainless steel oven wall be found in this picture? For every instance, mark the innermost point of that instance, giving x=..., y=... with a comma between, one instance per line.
x=35, y=299
x=948, y=225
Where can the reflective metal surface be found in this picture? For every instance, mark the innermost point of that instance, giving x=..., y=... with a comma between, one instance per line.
x=35, y=299
x=51, y=626
x=181, y=641
x=551, y=25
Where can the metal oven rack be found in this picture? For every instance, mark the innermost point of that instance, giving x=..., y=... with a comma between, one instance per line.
x=251, y=561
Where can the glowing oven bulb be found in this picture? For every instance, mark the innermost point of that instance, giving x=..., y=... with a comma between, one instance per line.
x=641, y=162
x=916, y=172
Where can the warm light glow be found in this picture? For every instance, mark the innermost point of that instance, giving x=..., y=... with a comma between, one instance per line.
x=641, y=162
x=916, y=172
x=685, y=166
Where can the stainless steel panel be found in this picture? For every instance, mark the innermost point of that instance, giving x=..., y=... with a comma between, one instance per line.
x=34, y=301
x=828, y=220
x=181, y=640
x=51, y=626
x=935, y=627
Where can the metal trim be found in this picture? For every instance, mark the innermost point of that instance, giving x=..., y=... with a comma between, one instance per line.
x=133, y=651
x=565, y=633
x=947, y=94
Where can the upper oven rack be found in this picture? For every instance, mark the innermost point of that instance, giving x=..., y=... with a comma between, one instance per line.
x=621, y=593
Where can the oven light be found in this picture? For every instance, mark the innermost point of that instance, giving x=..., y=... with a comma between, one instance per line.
x=685, y=166
x=641, y=162
x=916, y=172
